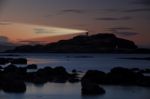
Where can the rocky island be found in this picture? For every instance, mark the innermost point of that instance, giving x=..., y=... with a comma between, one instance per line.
x=97, y=43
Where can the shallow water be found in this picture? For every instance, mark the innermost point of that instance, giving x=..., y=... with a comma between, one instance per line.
x=72, y=91
x=82, y=62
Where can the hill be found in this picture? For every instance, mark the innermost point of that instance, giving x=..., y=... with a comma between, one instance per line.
x=98, y=43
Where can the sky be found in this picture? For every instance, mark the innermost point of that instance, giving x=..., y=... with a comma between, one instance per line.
x=51, y=20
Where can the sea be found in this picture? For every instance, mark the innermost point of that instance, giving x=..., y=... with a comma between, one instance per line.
x=82, y=63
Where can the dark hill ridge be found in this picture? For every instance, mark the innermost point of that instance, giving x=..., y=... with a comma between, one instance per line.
x=97, y=43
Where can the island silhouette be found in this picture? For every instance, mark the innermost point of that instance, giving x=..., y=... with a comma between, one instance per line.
x=97, y=43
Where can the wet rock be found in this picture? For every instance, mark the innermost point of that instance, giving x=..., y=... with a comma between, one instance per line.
x=13, y=86
x=123, y=76
x=19, y=61
x=89, y=88
x=1, y=67
x=10, y=68
x=145, y=81
x=74, y=80
x=4, y=61
x=90, y=83
x=92, y=89
x=32, y=66
x=95, y=76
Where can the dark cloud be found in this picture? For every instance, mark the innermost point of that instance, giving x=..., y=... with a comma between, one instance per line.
x=145, y=9
x=1, y=4
x=113, y=18
x=126, y=33
x=123, y=31
x=76, y=11
x=67, y=11
x=119, y=28
x=142, y=2
x=138, y=10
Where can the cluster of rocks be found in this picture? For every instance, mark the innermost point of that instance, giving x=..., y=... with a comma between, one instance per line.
x=14, y=79
x=4, y=61
x=117, y=76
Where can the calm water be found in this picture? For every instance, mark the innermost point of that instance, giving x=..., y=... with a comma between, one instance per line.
x=82, y=62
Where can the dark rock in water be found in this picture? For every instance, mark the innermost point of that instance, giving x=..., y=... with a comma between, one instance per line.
x=92, y=89
x=145, y=81
x=19, y=61
x=14, y=86
x=60, y=70
x=60, y=75
x=10, y=68
x=90, y=83
x=32, y=66
x=95, y=76
x=89, y=88
x=147, y=71
x=123, y=76
x=4, y=61
x=1, y=67
x=74, y=80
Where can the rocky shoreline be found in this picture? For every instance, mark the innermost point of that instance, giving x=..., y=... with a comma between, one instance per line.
x=13, y=78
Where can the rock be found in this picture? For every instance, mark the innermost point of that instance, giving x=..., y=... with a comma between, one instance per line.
x=32, y=66
x=14, y=86
x=10, y=68
x=97, y=43
x=73, y=80
x=1, y=67
x=146, y=71
x=19, y=61
x=90, y=83
x=4, y=61
x=123, y=76
x=60, y=75
x=95, y=76
x=145, y=81
x=91, y=89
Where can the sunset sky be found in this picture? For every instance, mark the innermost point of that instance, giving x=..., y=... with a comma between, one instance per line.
x=26, y=20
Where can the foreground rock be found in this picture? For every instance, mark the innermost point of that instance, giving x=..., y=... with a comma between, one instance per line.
x=119, y=76
x=32, y=66
x=124, y=76
x=89, y=83
x=14, y=86
x=4, y=61
x=92, y=89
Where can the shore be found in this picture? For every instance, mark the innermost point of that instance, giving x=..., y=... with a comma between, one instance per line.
x=13, y=76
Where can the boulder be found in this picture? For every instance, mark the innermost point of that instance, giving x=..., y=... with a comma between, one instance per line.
x=90, y=83
x=95, y=76
x=19, y=61
x=32, y=66
x=13, y=86
x=3, y=61
x=123, y=76
x=10, y=68
x=91, y=89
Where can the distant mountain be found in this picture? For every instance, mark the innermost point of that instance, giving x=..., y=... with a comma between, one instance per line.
x=6, y=47
x=98, y=43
